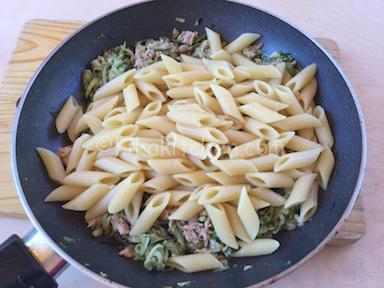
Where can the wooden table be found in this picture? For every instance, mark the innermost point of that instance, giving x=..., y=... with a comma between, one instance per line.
x=358, y=27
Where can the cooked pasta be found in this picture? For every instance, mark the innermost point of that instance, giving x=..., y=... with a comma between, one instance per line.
x=87, y=198
x=66, y=114
x=189, y=150
x=64, y=193
x=300, y=190
x=247, y=214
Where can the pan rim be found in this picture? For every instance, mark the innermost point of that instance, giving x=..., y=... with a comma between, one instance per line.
x=110, y=282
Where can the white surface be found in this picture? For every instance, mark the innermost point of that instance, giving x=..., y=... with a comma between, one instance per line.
x=357, y=26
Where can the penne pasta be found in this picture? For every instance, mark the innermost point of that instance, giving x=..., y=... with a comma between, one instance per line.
x=150, y=213
x=86, y=160
x=240, y=89
x=297, y=173
x=100, y=207
x=240, y=75
x=309, y=207
x=286, y=96
x=226, y=102
x=66, y=114
x=248, y=215
x=71, y=130
x=298, y=143
x=205, y=164
x=261, y=113
x=307, y=94
x=260, y=72
x=186, y=78
x=307, y=133
x=159, y=183
x=241, y=42
x=153, y=76
x=76, y=152
x=89, y=178
x=193, y=179
x=94, y=123
x=264, y=163
x=302, y=78
x=195, y=262
x=131, y=97
x=296, y=160
x=108, y=138
x=150, y=91
x=257, y=203
x=221, y=224
x=297, y=122
x=270, y=179
x=192, y=107
x=98, y=102
x=171, y=166
x=225, y=179
x=64, y=193
x=104, y=110
x=323, y=131
x=221, y=70
x=324, y=166
x=260, y=129
x=116, y=85
x=185, y=91
x=187, y=145
x=272, y=198
x=228, y=122
x=88, y=198
x=193, y=118
x=214, y=40
x=121, y=119
x=300, y=191
x=53, y=165
x=116, y=111
x=276, y=146
x=203, y=134
x=186, y=211
x=236, y=224
x=150, y=110
x=235, y=167
x=159, y=123
x=125, y=191
x=178, y=197
x=221, y=55
x=240, y=60
x=249, y=149
x=281, y=67
x=264, y=89
x=149, y=133
x=132, y=210
x=206, y=100
x=219, y=194
x=191, y=60
x=266, y=102
x=258, y=247
x=115, y=166
x=236, y=137
x=171, y=64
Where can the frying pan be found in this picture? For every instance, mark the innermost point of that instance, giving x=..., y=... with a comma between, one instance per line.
x=59, y=76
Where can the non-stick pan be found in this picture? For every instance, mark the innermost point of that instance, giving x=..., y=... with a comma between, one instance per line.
x=59, y=76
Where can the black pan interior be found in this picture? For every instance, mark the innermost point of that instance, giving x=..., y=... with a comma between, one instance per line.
x=60, y=77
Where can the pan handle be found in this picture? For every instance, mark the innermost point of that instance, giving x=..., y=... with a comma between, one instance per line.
x=29, y=262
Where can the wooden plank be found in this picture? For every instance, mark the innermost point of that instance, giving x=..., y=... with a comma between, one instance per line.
x=37, y=39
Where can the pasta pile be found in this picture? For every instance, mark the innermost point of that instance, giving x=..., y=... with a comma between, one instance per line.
x=215, y=134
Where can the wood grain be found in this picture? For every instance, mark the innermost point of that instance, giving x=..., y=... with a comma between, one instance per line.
x=37, y=39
